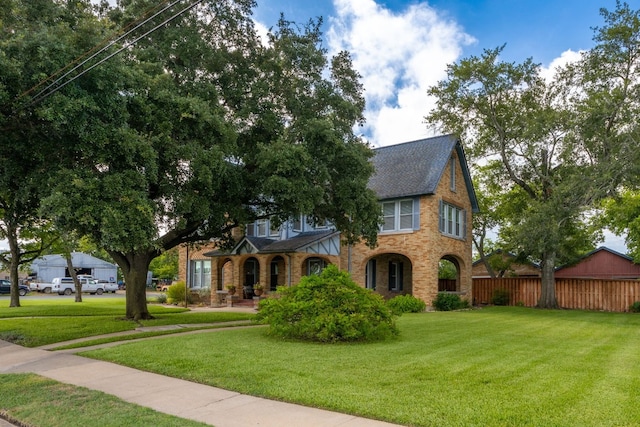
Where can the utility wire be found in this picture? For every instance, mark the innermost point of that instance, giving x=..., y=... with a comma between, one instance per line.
x=105, y=45
x=42, y=95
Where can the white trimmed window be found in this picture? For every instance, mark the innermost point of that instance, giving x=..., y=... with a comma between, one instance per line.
x=453, y=221
x=261, y=228
x=297, y=223
x=398, y=215
x=200, y=274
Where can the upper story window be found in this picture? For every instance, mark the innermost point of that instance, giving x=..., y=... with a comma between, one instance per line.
x=261, y=228
x=273, y=230
x=453, y=220
x=297, y=223
x=398, y=215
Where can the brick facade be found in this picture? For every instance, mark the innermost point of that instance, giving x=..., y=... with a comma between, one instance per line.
x=416, y=252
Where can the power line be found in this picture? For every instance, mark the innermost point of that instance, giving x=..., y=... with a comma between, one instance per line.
x=44, y=94
x=106, y=44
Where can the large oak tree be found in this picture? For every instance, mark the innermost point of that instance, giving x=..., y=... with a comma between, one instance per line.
x=220, y=128
x=37, y=39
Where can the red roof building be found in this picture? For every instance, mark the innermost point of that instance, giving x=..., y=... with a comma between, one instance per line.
x=602, y=263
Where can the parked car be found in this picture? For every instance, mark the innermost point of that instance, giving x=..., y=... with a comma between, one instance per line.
x=65, y=285
x=5, y=288
x=109, y=286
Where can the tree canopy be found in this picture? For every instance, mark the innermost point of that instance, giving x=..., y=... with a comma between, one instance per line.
x=548, y=151
x=196, y=127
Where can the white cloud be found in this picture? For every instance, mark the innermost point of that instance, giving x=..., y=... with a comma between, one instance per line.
x=565, y=58
x=399, y=55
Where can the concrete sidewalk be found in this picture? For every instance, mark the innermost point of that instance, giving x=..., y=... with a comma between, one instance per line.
x=214, y=406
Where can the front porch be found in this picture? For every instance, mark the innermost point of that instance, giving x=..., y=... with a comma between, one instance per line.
x=271, y=263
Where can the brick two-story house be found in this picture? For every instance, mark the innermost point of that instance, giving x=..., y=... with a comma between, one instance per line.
x=427, y=199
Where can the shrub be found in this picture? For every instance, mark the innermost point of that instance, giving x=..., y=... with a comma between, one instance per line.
x=205, y=296
x=328, y=307
x=635, y=307
x=176, y=293
x=500, y=297
x=161, y=299
x=446, y=301
x=406, y=304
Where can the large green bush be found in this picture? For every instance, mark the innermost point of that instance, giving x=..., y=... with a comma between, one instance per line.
x=446, y=301
x=328, y=307
x=406, y=304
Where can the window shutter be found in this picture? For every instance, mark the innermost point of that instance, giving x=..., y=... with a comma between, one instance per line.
x=464, y=224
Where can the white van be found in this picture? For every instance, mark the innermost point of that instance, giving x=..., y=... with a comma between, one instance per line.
x=65, y=286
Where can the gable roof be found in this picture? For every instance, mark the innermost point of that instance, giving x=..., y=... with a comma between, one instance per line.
x=415, y=168
x=265, y=245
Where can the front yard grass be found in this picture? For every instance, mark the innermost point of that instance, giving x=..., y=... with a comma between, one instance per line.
x=502, y=366
x=38, y=401
x=41, y=322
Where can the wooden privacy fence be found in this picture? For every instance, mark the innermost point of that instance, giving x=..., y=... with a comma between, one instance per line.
x=583, y=294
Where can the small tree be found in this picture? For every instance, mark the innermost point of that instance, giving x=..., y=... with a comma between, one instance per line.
x=329, y=307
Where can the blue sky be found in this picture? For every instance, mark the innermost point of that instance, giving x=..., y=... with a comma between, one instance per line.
x=402, y=47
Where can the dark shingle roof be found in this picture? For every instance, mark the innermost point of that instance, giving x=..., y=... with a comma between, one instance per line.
x=415, y=168
x=292, y=244
x=298, y=242
x=412, y=168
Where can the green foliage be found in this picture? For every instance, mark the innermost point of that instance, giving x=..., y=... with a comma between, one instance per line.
x=328, y=308
x=564, y=143
x=406, y=304
x=446, y=301
x=500, y=297
x=176, y=293
x=447, y=270
x=622, y=216
x=161, y=299
x=165, y=265
x=635, y=307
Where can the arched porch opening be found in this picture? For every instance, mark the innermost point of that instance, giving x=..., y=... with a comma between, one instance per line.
x=277, y=273
x=389, y=274
x=225, y=274
x=448, y=274
x=250, y=276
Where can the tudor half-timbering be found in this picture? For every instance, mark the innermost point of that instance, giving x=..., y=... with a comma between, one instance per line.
x=427, y=199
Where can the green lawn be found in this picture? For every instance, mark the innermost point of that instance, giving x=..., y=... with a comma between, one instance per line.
x=41, y=322
x=38, y=401
x=497, y=366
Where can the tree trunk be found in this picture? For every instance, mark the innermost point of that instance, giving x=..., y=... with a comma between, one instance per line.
x=548, y=291
x=14, y=249
x=74, y=276
x=134, y=267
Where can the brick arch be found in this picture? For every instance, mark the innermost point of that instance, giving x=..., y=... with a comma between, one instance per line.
x=388, y=273
x=225, y=272
x=451, y=285
x=276, y=272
